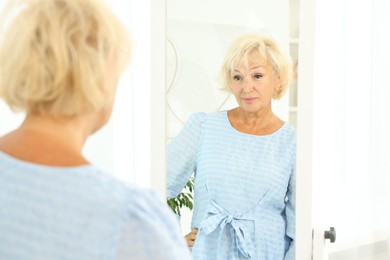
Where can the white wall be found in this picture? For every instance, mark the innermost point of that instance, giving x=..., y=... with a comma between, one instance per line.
x=8, y=119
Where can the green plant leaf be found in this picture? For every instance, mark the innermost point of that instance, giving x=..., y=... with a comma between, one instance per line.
x=184, y=199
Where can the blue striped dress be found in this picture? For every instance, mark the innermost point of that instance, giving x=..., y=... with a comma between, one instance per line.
x=244, y=203
x=81, y=213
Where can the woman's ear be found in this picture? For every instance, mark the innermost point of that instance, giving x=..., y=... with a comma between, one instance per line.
x=277, y=86
x=278, y=83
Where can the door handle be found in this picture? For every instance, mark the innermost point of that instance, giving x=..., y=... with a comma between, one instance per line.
x=330, y=234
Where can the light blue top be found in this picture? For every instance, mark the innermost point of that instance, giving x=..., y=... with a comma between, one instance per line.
x=244, y=203
x=81, y=213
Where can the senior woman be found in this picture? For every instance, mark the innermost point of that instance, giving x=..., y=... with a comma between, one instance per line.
x=243, y=161
x=59, y=62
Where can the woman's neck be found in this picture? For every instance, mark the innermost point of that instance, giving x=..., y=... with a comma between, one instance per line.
x=48, y=141
x=259, y=123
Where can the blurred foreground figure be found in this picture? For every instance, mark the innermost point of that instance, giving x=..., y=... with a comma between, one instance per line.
x=60, y=61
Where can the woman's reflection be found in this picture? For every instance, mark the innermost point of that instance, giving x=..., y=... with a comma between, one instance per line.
x=243, y=161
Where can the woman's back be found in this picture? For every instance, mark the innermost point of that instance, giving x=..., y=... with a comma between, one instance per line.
x=80, y=213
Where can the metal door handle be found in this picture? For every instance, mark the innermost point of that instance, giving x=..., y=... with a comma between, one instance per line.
x=330, y=234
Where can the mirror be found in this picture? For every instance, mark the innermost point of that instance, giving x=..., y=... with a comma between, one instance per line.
x=198, y=35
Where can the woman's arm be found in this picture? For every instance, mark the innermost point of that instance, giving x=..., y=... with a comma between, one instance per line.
x=150, y=231
x=290, y=216
x=182, y=153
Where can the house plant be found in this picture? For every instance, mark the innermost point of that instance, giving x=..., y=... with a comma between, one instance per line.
x=184, y=199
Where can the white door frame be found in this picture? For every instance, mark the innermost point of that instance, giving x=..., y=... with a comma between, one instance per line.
x=304, y=133
x=158, y=97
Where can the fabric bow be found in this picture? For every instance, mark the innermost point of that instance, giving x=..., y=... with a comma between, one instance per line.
x=219, y=217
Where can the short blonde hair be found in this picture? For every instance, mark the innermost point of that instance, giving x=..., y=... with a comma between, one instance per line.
x=248, y=46
x=55, y=56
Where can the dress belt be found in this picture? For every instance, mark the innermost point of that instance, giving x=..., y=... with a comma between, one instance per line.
x=219, y=217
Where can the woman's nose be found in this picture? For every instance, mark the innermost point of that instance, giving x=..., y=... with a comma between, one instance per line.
x=248, y=85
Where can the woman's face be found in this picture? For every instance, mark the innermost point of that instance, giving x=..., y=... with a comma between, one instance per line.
x=254, y=85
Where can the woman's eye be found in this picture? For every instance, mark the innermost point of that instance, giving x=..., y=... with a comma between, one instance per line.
x=237, y=78
x=258, y=76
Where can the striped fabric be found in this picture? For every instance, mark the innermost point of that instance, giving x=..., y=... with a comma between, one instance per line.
x=244, y=188
x=81, y=213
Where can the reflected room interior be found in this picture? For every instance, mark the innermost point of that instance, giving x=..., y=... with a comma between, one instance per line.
x=198, y=35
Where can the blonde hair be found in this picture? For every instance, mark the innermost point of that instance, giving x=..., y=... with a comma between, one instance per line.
x=249, y=46
x=55, y=56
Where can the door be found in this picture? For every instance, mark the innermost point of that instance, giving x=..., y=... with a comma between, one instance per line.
x=343, y=172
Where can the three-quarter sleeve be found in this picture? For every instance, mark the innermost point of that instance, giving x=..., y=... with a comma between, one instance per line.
x=182, y=153
x=290, y=214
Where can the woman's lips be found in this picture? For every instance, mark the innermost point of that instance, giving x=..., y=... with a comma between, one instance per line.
x=249, y=100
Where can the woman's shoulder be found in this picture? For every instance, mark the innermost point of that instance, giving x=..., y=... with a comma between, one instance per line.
x=197, y=117
x=202, y=117
x=149, y=219
x=287, y=136
x=290, y=130
x=146, y=217
x=149, y=229
x=134, y=198
x=142, y=200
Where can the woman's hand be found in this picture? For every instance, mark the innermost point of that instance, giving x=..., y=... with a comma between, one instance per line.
x=190, y=237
